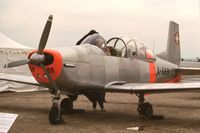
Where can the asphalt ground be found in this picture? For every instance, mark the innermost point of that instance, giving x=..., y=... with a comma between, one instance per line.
x=181, y=113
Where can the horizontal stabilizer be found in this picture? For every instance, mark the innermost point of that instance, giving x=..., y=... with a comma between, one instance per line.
x=188, y=71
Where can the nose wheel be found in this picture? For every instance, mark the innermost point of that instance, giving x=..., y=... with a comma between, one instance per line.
x=55, y=111
x=54, y=115
x=145, y=109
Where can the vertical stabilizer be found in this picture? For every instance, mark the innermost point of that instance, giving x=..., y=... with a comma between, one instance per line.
x=172, y=53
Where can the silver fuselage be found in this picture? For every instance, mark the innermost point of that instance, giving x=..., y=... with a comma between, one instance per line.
x=87, y=67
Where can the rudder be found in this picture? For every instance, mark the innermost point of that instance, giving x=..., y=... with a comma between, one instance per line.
x=172, y=53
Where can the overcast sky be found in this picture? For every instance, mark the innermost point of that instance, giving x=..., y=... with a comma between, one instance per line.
x=147, y=20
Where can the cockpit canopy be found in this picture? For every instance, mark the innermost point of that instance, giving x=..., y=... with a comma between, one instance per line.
x=128, y=47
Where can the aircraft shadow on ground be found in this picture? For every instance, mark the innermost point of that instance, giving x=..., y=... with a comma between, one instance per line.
x=110, y=116
x=123, y=117
x=176, y=106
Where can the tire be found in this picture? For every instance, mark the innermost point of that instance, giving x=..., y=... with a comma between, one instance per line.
x=73, y=97
x=54, y=117
x=147, y=110
x=66, y=105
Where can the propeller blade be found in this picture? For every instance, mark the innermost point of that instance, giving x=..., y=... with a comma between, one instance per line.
x=53, y=84
x=17, y=63
x=45, y=35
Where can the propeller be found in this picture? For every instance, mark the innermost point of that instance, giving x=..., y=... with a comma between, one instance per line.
x=45, y=35
x=36, y=58
x=17, y=63
x=55, y=88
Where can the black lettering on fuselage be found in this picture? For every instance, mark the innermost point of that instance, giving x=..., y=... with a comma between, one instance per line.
x=162, y=71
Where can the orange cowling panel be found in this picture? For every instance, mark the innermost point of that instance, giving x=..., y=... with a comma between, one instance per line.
x=54, y=68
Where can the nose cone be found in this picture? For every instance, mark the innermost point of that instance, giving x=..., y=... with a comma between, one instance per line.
x=36, y=58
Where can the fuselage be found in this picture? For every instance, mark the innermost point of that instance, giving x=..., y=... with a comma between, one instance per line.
x=88, y=67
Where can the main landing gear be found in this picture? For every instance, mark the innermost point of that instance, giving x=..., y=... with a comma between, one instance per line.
x=144, y=108
x=65, y=106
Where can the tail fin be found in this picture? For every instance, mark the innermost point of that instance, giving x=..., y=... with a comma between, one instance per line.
x=172, y=53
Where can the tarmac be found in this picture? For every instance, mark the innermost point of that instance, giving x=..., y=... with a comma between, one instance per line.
x=181, y=113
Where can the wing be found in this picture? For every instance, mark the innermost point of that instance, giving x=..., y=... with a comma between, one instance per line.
x=152, y=87
x=188, y=71
x=19, y=79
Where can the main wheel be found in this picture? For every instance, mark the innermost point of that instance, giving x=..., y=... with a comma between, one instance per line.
x=54, y=115
x=73, y=97
x=66, y=105
x=146, y=110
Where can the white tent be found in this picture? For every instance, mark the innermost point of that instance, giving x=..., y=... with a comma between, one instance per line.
x=12, y=51
x=5, y=42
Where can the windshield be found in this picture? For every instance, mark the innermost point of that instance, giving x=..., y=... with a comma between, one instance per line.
x=129, y=47
x=119, y=46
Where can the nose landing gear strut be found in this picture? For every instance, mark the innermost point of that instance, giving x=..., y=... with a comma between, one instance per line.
x=55, y=111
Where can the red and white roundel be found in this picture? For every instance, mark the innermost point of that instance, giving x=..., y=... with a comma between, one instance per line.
x=176, y=38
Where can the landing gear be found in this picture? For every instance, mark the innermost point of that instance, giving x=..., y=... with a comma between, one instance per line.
x=66, y=105
x=73, y=97
x=55, y=111
x=54, y=115
x=144, y=108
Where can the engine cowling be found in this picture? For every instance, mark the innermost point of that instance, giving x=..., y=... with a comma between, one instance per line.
x=53, y=64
